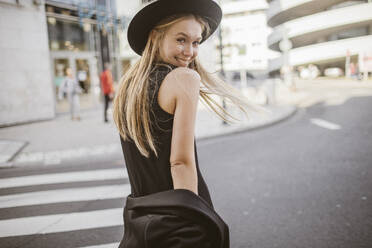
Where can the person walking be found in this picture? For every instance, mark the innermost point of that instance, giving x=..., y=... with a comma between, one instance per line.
x=155, y=110
x=107, y=88
x=72, y=89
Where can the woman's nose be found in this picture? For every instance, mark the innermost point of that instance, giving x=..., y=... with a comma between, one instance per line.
x=187, y=51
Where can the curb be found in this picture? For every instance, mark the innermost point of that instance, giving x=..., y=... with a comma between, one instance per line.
x=12, y=155
x=5, y=165
x=53, y=158
x=240, y=129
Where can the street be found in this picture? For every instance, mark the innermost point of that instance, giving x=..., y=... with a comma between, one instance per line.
x=293, y=169
x=305, y=182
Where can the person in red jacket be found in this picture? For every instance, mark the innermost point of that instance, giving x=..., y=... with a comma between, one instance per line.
x=107, y=87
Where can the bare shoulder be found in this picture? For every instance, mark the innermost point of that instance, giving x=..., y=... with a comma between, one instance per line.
x=187, y=72
x=184, y=78
x=180, y=83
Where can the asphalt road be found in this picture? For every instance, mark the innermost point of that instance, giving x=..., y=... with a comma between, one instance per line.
x=305, y=182
x=297, y=184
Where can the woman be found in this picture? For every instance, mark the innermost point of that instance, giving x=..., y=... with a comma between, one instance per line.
x=155, y=110
x=71, y=87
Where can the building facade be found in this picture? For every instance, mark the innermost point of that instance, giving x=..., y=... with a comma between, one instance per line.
x=244, y=38
x=39, y=40
x=126, y=10
x=82, y=36
x=26, y=90
x=325, y=33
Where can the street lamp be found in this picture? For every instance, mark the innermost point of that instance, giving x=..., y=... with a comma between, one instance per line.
x=285, y=46
x=221, y=62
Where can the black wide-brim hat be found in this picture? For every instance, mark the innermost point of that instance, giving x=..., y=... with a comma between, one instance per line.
x=150, y=15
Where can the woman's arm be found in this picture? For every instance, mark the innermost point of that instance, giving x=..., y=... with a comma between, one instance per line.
x=184, y=84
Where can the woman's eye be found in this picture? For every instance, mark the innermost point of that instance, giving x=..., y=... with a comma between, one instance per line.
x=196, y=43
x=182, y=40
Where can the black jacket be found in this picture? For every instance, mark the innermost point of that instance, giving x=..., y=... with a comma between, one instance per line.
x=172, y=219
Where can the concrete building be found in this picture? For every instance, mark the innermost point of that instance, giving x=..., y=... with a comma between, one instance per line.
x=244, y=37
x=26, y=90
x=126, y=10
x=326, y=33
x=39, y=39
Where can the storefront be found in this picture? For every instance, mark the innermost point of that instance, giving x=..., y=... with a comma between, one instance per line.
x=83, y=45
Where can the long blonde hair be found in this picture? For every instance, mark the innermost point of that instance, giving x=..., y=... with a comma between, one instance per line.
x=132, y=104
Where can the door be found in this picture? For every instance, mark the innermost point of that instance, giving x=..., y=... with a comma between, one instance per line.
x=84, y=67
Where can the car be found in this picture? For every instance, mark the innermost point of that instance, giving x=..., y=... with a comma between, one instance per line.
x=236, y=76
x=333, y=72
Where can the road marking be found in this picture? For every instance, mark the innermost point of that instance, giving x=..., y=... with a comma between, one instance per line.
x=64, y=195
x=325, y=124
x=67, y=177
x=55, y=157
x=61, y=222
x=57, y=222
x=111, y=245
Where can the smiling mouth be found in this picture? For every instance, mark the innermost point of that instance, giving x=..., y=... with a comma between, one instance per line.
x=183, y=60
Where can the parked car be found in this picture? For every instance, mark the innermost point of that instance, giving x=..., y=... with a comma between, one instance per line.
x=236, y=75
x=333, y=72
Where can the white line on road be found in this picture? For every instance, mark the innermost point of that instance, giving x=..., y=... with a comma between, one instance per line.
x=325, y=124
x=65, y=195
x=67, y=177
x=111, y=245
x=61, y=222
x=55, y=157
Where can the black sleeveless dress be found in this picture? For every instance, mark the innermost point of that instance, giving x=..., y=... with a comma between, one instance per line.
x=153, y=174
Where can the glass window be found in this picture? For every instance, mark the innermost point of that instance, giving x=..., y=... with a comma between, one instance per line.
x=70, y=36
x=101, y=3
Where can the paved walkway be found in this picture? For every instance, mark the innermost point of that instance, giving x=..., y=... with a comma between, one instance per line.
x=60, y=139
x=51, y=142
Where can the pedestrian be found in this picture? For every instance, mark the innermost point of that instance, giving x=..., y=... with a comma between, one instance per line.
x=72, y=89
x=357, y=72
x=352, y=70
x=155, y=111
x=107, y=88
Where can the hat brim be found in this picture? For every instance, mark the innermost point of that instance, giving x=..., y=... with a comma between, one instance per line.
x=146, y=19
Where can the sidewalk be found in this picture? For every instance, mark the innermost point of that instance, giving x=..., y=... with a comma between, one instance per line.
x=60, y=140
x=322, y=90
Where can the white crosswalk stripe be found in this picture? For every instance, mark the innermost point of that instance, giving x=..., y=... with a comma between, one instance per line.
x=67, y=177
x=61, y=222
x=111, y=245
x=64, y=195
x=76, y=220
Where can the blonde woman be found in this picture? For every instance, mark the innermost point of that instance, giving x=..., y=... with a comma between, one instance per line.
x=155, y=111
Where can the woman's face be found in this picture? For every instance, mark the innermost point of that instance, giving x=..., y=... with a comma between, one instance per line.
x=181, y=42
